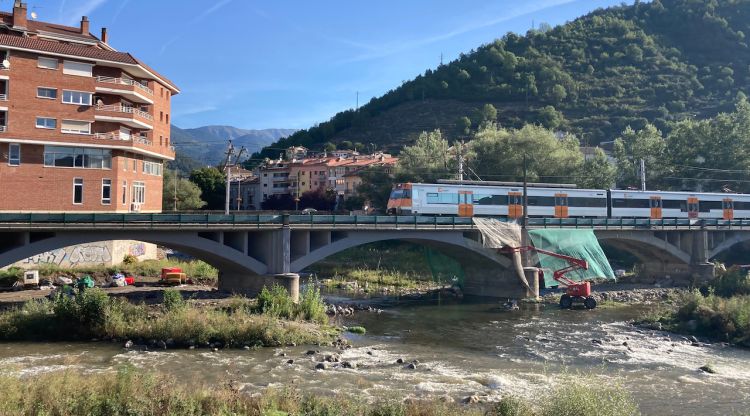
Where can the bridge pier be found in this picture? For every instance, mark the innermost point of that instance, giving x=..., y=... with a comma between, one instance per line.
x=251, y=286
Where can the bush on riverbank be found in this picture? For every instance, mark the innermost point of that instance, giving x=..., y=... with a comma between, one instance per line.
x=734, y=281
x=93, y=314
x=131, y=392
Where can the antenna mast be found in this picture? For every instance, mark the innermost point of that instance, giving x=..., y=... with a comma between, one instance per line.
x=228, y=168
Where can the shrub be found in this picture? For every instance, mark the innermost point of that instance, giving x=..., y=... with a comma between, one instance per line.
x=173, y=300
x=10, y=276
x=311, y=305
x=129, y=259
x=276, y=302
x=357, y=330
x=577, y=399
x=735, y=281
x=511, y=406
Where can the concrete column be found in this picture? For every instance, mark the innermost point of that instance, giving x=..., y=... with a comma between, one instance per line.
x=532, y=276
x=290, y=282
x=280, y=251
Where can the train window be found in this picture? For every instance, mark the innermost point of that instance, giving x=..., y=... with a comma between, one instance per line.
x=561, y=201
x=706, y=206
x=541, y=201
x=630, y=203
x=655, y=203
x=727, y=204
x=587, y=202
x=674, y=204
x=397, y=194
x=741, y=205
x=480, y=199
x=442, y=198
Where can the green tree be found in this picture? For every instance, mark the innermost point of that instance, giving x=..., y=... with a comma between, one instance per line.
x=347, y=145
x=498, y=154
x=427, y=160
x=696, y=147
x=488, y=113
x=632, y=146
x=597, y=172
x=188, y=194
x=558, y=93
x=329, y=147
x=376, y=186
x=464, y=124
x=550, y=117
x=212, y=183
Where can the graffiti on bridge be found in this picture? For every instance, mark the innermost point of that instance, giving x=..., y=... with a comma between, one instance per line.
x=72, y=256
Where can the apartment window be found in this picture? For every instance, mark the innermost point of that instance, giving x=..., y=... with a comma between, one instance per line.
x=161, y=141
x=46, y=123
x=80, y=69
x=152, y=168
x=44, y=92
x=124, y=192
x=14, y=154
x=106, y=191
x=75, y=127
x=135, y=166
x=46, y=63
x=78, y=190
x=76, y=97
x=139, y=192
x=161, y=94
x=167, y=118
x=77, y=157
x=161, y=116
x=166, y=141
x=124, y=163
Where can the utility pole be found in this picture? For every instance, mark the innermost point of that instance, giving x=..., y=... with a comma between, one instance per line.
x=357, y=102
x=227, y=161
x=176, y=175
x=239, y=179
x=441, y=59
x=461, y=163
x=525, y=195
x=296, y=198
x=643, y=175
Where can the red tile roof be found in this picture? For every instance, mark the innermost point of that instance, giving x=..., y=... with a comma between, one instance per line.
x=79, y=50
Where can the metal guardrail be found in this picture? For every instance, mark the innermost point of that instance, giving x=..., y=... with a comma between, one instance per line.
x=116, y=108
x=124, y=81
x=345, y=221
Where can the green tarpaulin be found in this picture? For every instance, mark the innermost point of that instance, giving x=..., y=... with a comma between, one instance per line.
x=581, y=244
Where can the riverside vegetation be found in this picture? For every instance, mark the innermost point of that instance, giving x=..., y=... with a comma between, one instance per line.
x=130, y=392
x=719, y=311
x=272, y=319
x=198, y=270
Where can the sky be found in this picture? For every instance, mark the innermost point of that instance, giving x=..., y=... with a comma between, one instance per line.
x=295, y=63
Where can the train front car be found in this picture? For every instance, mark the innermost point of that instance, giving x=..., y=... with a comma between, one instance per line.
x=400, y=202
x=693, y=205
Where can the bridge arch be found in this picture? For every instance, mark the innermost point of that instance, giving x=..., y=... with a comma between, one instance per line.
x=645, y=246
x=219, y=255
x=731, y=241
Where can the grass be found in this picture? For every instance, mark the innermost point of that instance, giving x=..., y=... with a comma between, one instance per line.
x=130, y=392
x=93, y=314
x=389, y=263
x=720, y=311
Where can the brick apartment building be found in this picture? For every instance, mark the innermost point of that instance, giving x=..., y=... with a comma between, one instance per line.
x=83, y=127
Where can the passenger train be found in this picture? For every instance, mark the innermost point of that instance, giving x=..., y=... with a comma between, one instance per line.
x=466, y=200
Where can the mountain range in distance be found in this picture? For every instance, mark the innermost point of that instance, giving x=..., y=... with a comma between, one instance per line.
x=207, y=145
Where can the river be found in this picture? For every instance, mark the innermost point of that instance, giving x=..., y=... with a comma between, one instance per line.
x=463, y=348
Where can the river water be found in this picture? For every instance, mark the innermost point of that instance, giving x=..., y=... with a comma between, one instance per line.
x=463, y=348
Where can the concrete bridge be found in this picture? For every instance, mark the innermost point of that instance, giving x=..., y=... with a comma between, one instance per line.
x=255, y=250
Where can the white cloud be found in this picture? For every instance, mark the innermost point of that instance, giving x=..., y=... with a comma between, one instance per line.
x=82, y=9
x=403, y=46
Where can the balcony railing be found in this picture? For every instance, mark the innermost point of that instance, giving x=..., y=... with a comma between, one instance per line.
x=142, y=140
x=109, y=136
x=3, y=97
x=125, y=81
x=117, y=108
x=3, y=129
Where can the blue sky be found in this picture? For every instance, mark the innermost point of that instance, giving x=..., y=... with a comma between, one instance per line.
x=295, y=63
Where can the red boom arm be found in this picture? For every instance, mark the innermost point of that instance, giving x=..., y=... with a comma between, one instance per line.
x=558, y=275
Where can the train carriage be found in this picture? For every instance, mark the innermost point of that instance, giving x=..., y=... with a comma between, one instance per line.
x=503, y=200
x=661, y=204
x=468, y=200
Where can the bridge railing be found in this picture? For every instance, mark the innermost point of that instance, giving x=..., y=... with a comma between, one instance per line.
x=344, y=221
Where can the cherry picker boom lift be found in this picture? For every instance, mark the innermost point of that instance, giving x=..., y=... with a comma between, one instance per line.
x=575, y=292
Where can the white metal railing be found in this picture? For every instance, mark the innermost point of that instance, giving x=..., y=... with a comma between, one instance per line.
x=3, y=129
x=3, y=97
x=142, y=140
x=117, y=108
x=124, y=81
x=111, y=136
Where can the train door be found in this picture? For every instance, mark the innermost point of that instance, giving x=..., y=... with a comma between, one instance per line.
x=656, y=206
x=727, y=206
x=692, y=207
x=561, y=205
x=515, y=205
x=465, y=204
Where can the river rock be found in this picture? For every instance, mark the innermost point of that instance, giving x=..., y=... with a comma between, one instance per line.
x=400, y=361
x=290, y=361
x=246, y=348
x=311, y=352
x=129, y=344
x=707, y=369
x=412, y=366
x=471, y=399
x=348, y=364
x=161, y=345
x=321, y=366
x=693, y=339
x=596, y=341
x=332, y=358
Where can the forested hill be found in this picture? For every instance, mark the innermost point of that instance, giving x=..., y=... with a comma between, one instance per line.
x=648, y=62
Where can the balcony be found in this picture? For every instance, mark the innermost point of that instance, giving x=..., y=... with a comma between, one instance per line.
x=128, y=88
x=117, y=136
x=128, y=116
